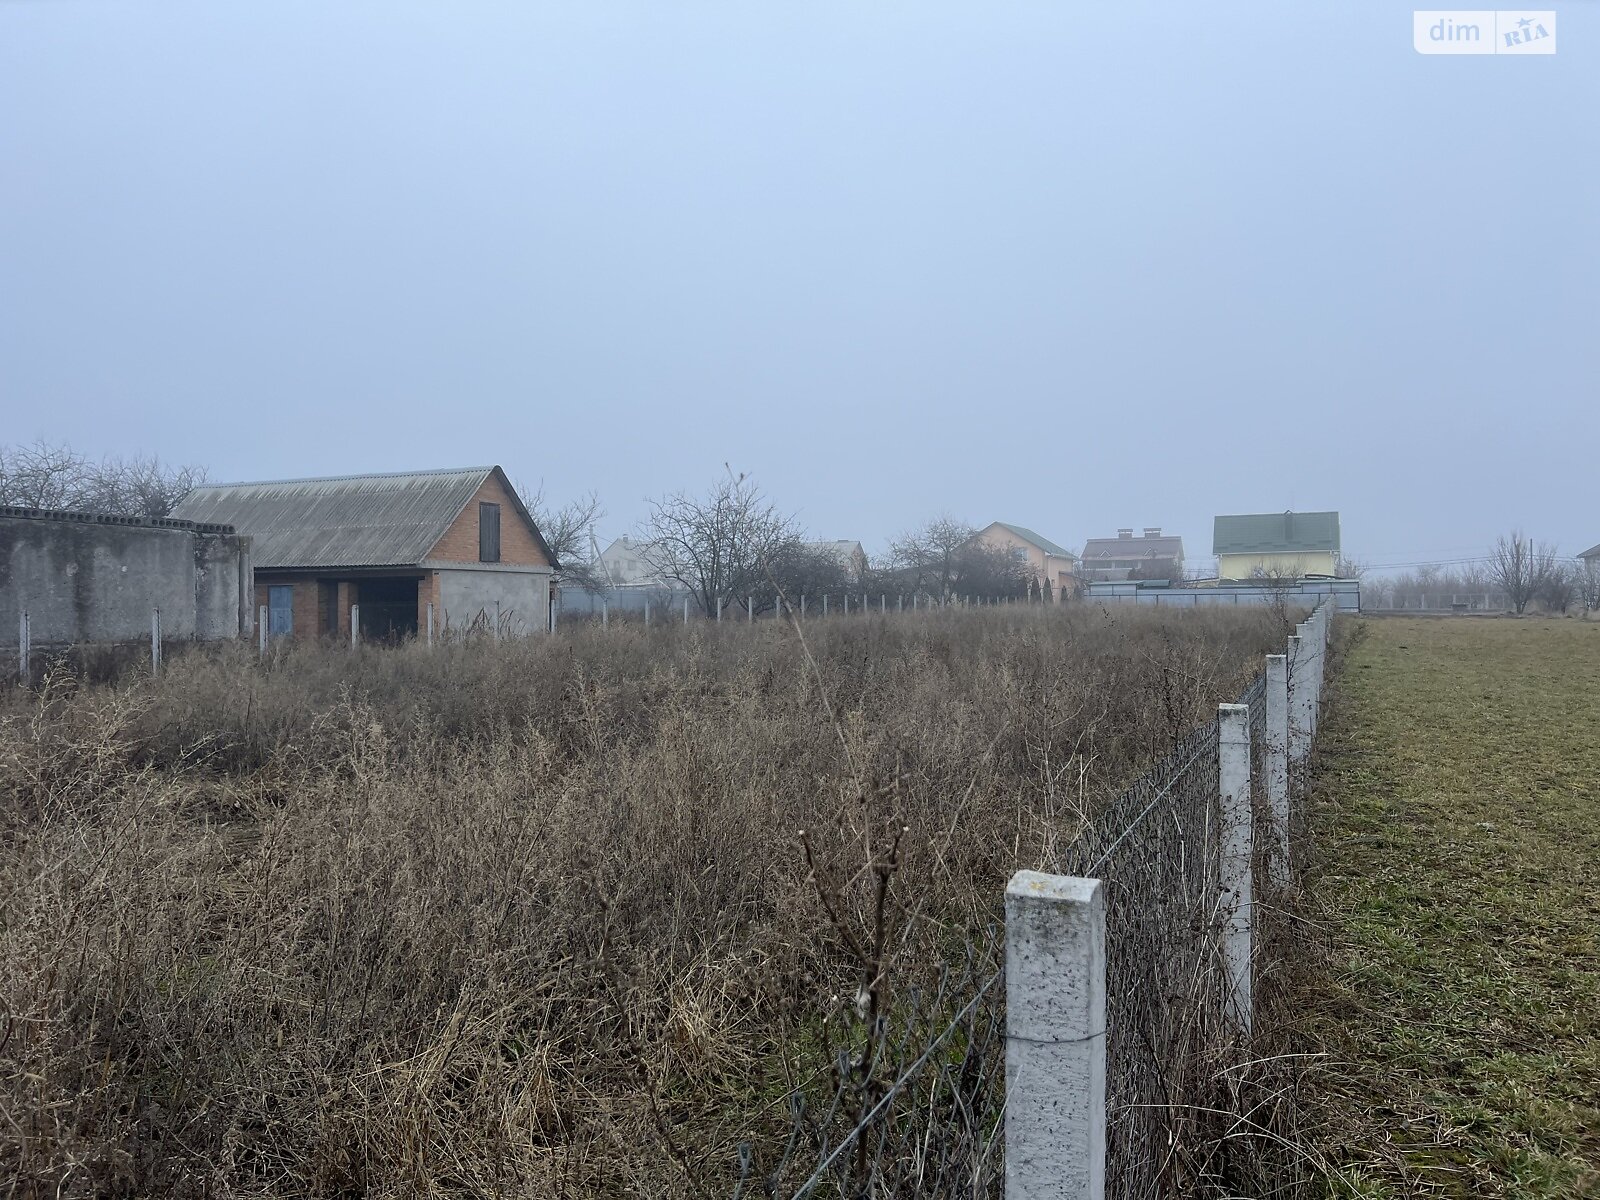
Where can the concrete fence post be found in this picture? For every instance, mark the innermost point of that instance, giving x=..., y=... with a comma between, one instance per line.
x=25, y=649
x=1324, y=630
x=262, y=629
x=430, y=626
x=155, y=641
x=355, y=626
x=1276, y=765
x=605, y=613
x=1236, y=899
x=802, y=606
x=1055, y=1130
x=750, y=607
x=1308, y=643
x=865, y=603
x=686, y=609
x=1299, y=708
x=900, y=602
x=647, y=612
x=883, y=603
x=824, y=603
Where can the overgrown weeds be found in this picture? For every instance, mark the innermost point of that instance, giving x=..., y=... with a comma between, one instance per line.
x=518, y=918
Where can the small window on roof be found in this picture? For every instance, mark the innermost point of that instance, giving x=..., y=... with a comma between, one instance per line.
x=488, y=532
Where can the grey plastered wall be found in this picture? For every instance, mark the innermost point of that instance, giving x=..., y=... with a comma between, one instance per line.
x=84, y=578
x=523, y=595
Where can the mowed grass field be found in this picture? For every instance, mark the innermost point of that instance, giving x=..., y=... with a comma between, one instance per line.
x=1457, y=871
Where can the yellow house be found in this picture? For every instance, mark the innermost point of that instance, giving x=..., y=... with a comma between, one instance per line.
x=1286, y=545
x=1050, y=563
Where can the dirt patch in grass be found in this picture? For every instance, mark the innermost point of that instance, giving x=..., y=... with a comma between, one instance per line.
x=1457, y=822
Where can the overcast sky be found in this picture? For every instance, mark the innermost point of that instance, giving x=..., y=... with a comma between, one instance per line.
x=1064, y=266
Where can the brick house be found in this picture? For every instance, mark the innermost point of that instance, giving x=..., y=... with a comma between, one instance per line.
x=460, y=540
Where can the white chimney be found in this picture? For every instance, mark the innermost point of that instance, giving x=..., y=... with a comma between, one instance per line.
x=1124, y=533
x=1152, y=531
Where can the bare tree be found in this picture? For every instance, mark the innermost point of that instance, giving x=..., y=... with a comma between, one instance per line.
x=1586, y=581
x=568, y=530
x=1558, y=586
x=805, y=569
x=1349, y=568
x=724, y=545
x=984, y=570
x=930, y=554
x=1521, y=567
x=47, y=475
x=1279, y=580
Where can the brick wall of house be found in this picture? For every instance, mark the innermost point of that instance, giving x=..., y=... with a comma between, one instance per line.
x=303, y=605
x=348, y=590
x=517, y=545
x=428, y=593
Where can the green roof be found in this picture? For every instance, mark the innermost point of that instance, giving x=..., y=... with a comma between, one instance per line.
x=1276, y=533
x=1043, y=543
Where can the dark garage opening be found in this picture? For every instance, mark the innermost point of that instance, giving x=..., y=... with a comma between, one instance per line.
x=388, y=609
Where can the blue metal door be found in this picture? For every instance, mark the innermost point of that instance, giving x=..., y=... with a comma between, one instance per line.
x=280, y=611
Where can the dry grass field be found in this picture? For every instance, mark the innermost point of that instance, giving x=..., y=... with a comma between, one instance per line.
x=1459, y=875
x=524, y=918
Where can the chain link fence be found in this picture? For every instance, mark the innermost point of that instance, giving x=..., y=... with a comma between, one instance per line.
x=912, y=1103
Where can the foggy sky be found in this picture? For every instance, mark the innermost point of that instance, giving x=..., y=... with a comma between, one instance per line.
x=1063, y=266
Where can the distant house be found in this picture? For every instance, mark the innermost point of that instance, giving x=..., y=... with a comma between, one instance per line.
x=1050, y=563
x=1153, y=556
x=1591, y=557
x=1284, y=545
x=852, y=559
x=459, y=540
x=628, y=562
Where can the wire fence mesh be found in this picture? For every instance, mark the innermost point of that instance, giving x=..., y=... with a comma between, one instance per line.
x=912, y=1103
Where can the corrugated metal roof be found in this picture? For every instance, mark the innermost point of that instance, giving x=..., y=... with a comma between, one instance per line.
x=1044, y=543
x=342, y=521
x=1166, y=546
x=1276, y=533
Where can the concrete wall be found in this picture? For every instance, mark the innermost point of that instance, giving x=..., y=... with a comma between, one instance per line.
x=465, y=593
x=1346, y=594
x=88, y=578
